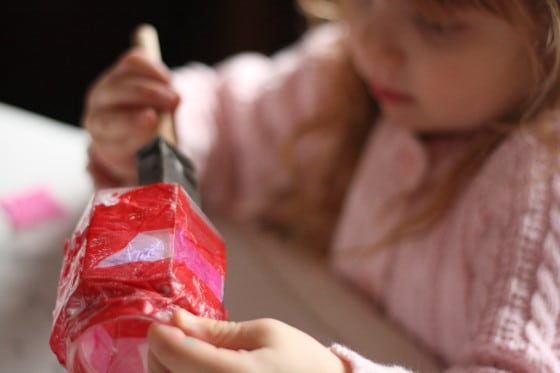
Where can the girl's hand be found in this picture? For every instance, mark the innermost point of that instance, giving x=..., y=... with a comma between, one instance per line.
x=208, y=346
x=121, y=113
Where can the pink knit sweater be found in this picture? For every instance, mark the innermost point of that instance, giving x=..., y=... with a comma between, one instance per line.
x=480, y=289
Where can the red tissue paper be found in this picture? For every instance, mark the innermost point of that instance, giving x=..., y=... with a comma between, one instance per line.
x=136, y=255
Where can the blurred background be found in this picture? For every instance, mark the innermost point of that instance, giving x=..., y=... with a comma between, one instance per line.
x=52, y=50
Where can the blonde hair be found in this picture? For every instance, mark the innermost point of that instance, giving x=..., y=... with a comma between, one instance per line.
x=318, y=11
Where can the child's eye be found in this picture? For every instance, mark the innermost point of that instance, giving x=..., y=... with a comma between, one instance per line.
x=432, y=28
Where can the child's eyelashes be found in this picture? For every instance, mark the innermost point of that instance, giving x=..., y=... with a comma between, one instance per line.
x=436, y=29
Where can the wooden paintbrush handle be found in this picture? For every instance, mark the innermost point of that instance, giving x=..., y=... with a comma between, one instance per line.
x=146, y=37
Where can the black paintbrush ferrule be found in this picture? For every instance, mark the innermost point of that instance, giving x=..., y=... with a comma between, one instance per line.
x=160, y=162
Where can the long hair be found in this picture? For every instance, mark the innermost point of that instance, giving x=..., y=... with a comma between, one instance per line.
x=338, y=116
x=540, y=21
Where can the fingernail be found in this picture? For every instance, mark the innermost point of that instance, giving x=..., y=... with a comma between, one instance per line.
x=183, y=318
x=164, y=316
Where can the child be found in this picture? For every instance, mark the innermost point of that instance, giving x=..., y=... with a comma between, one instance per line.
x=441, y=200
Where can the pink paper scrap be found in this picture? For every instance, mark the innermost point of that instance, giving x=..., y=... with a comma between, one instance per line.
x=32, y=207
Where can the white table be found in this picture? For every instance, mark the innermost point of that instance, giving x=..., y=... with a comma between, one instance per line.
x=265, y=278
x=36, y=153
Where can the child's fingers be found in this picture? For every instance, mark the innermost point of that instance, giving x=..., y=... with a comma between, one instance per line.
x=116, y=136
x=133, y=81
x=142, y=92
x=138, y=125
x=180, y=353
x=208, y=345
x=132, y=92
x=110, y=170
x=135, y=62
x=246, y=336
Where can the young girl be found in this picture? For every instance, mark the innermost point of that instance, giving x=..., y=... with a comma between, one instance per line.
x=416, y=139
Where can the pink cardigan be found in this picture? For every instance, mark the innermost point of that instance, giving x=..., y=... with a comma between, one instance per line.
x=480, y=289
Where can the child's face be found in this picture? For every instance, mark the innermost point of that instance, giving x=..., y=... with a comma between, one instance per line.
x=439, y=74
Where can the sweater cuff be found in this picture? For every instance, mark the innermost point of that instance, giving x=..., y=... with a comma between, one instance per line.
x=360, y=364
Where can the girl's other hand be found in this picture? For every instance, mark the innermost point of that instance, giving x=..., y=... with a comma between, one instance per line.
x=121, y=112
x=201, y=345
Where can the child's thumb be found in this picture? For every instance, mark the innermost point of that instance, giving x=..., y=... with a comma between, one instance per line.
x=170, y=350
x=225, y=334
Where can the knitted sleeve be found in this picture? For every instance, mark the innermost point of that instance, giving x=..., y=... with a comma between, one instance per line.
x=515, y=311
x=514, y=302
x=360, y=364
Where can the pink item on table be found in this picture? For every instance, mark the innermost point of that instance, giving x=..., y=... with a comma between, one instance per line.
x=32, y=207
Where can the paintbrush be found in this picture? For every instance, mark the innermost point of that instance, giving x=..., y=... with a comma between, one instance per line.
x=159, y=160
